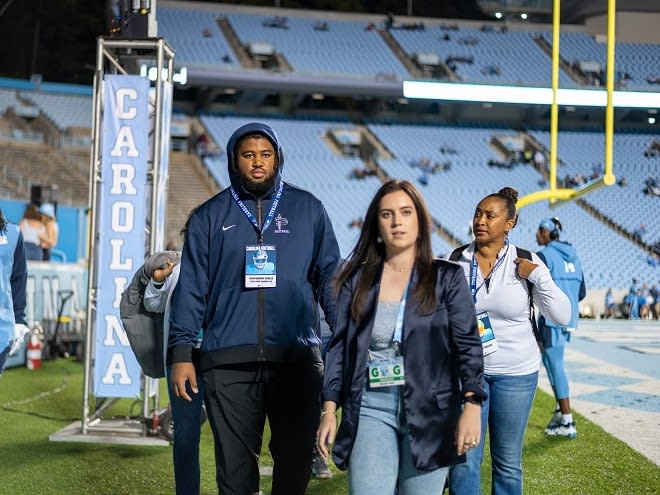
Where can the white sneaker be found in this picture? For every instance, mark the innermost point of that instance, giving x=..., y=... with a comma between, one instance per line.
x=567, y=430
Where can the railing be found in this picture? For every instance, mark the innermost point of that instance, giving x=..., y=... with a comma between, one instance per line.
x=75, y=142
x=19, y=136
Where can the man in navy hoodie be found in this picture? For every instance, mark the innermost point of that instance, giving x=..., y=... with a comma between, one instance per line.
x=260, y=355
x=566, y=269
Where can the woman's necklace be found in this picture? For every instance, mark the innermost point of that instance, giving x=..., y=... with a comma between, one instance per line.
x=400, y=270
x=485, y=260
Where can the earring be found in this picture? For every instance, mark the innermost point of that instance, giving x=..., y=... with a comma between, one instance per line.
x=379, y=239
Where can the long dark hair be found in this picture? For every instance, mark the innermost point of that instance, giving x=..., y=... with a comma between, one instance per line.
x=369, y=254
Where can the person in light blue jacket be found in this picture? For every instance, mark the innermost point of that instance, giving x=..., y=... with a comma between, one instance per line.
x=566, y=269
x=13, y=279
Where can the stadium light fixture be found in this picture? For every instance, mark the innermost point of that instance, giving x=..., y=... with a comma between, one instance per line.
x=180, y=76
x=527, y=95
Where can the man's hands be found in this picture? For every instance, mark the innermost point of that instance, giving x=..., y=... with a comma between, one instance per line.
x=182, y=373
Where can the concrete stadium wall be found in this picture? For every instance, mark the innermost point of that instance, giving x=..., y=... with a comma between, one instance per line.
x=631, y=27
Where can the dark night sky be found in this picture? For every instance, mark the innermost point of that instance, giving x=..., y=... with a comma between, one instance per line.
x=57, y=38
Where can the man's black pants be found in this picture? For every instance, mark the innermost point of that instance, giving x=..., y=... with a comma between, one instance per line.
x=239, y=398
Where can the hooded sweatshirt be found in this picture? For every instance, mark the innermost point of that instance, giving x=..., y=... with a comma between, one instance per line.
x=566, y=270
x=246, y=325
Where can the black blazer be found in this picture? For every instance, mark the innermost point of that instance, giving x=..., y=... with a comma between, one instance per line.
x=442, y=355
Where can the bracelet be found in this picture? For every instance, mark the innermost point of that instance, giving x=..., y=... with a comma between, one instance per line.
x=323, y=413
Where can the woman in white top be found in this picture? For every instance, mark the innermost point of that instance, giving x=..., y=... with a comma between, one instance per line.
x=496, y=276
x=34, y=233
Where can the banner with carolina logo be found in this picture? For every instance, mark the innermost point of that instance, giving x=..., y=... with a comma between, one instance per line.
x=120, y=229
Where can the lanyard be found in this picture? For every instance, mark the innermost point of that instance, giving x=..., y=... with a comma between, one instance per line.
x=398, y=327
x=474, y=269
x=250, y=216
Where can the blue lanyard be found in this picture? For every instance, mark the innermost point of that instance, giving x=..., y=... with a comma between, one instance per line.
x=474, y=269
x=398, y=327
x=250, y=216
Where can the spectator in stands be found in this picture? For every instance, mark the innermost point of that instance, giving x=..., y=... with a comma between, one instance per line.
x=491, y=70
x=390, y=285
x=652, y=186
x=566, y=269
x=447, y=149
x=389, y=21
x=260, y=356
x=321, y=26
x=361, y=173
x=468, y=40
x=509, y=164
x=639, y=233
x=206, y=32
x=622, y=182
x=610, y=305
x=653, y=150
x=356, y=223
x=497, y=273
x=539, y=160
x=276, y=22
x=47, y=211
x=202, y=145
x=13, y=280
x=35, y=237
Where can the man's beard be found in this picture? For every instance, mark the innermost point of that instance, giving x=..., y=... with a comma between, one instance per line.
x=258, y=189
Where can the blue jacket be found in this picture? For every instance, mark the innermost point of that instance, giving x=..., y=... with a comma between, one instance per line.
x=13, y=277
x=243, y=325
x=442, y=352
x=566, y=270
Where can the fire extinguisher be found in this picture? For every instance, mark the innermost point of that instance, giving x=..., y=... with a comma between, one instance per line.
x=34, y=348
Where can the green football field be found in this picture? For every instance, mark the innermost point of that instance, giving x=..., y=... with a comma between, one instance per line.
x=36, y=404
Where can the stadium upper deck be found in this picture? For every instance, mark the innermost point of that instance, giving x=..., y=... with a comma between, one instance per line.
x=321, y=83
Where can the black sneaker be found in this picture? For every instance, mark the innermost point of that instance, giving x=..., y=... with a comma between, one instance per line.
x=320, y=469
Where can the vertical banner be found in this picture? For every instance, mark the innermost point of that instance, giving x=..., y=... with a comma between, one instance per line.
x=122, y=211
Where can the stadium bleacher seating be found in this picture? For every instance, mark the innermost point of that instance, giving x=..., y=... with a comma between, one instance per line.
x=345, y=48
